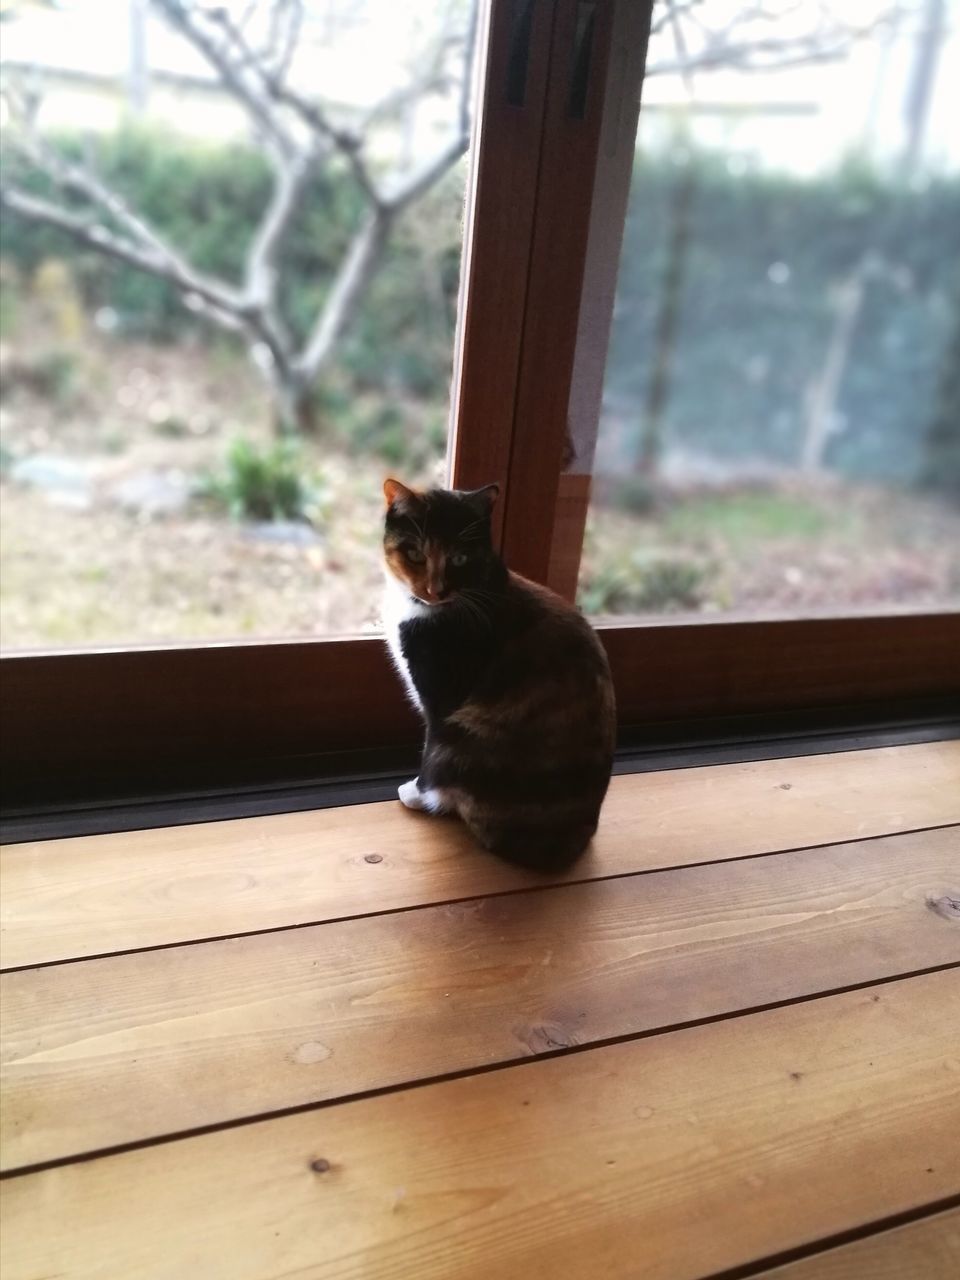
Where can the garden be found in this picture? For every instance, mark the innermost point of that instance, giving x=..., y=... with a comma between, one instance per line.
x=152, y=491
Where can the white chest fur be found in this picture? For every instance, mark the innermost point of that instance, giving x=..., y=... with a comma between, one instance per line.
x=397, y=608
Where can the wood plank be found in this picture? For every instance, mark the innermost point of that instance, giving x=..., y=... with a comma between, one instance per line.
x=103, y=724
x=222, y=1030
x=496, y=261
x=924, y=1250
x=568, y=164
x=98, y=894
x=676, y=1156
x=752, y=665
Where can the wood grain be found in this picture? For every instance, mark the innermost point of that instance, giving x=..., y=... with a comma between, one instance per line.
x=100, y=894
x=82, y=726
x=672, y=1157
x=502, y=200
x=568, y=161
x=570, y=519
x=739, y=666
x=924, y=1250
x=222, y=1030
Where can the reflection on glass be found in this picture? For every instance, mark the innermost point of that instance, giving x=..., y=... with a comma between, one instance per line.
x=229, y=266
x=780, y=429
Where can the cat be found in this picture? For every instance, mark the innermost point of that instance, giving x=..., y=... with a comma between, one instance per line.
x=512, y=683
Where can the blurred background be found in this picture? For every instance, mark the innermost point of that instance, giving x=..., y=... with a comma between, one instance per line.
x=230, y=260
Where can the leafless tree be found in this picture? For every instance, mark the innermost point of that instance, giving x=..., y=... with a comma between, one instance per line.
x=300, y=137
x=762, y=35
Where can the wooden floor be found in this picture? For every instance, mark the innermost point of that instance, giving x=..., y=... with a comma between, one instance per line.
x=345, y=1044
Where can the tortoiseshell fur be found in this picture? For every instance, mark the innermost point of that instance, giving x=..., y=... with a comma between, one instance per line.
x=512, y=683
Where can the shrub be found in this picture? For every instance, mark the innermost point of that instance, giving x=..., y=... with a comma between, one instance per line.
x=656, y=584
x=258, y=483
x=636, y=494
x=749, y=340
x=55, y=375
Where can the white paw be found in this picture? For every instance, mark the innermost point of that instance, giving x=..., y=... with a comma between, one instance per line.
x=409, y=794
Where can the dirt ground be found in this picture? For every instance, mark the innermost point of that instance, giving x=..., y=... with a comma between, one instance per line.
x=82, y=563
x=104, y=541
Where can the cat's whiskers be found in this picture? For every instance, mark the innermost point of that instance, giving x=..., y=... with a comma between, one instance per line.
x=473, y=609
x=479, y=603
x=418, y=528
x=482, y=595
x=472, y=532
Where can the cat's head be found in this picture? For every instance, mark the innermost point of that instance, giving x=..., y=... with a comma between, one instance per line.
x=437, y=543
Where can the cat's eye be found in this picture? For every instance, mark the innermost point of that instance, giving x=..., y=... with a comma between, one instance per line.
x=458, y=558
x=414, y=554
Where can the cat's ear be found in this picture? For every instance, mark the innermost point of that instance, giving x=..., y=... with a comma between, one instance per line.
x=395, y=492
x=483, y=499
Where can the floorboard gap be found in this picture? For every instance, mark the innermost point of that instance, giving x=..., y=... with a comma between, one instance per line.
x=648, y=1033
x=547, y=886
x=761, y=1266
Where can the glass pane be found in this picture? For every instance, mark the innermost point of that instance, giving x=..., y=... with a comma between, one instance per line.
x=230, y=268
x=780, y=430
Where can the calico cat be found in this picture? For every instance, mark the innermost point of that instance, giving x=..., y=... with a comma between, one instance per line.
x=511, y=681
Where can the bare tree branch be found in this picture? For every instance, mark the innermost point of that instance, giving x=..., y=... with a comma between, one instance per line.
x=83, y=181
x=252, y=62
x=200, y=293
x=714, y=50
x=350, y=285
x=350, y=145
x=666, y=14
x=286, y=41
x=413, y=185
x=262, y=269
x=243, y=81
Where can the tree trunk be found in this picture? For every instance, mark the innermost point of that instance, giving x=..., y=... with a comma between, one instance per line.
x=664, y=343
x=826, y=389
x=294, y=407
x=920, y=91
x=941, y=470
x=138, y=72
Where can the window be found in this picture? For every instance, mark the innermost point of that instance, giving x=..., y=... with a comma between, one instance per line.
x=779, y=414
x=547, y=194
x=231, y=262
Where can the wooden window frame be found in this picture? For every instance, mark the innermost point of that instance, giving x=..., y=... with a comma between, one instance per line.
x=548, y=194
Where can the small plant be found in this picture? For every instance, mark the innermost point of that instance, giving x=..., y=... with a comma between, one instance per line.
x=671, y=584
x=10, y=299
x=655, y=585
x=257, y=483
x=171, y=426
x=635, y=494
x=743, y=517
x=401, y=439
x=53, y=375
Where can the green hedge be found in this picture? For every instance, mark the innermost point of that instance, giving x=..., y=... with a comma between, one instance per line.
x=746, y=347
x=207, y=199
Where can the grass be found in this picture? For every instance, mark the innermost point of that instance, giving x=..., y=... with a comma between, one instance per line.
x=746, y=516
x=109, y=575
x=641, y=584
